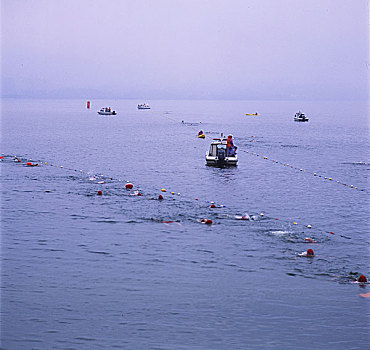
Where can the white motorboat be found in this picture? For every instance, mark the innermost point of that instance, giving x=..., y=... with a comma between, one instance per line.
x=218, y=154
x=143, y=106
x=107, y=111
x=300, y=117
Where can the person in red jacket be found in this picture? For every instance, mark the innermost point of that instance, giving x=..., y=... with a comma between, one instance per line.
x=230, y=148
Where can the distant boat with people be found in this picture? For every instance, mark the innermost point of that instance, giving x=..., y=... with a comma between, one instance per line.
x=300, y=117
x=143, y=106
x=220, y=154
x=107, y=111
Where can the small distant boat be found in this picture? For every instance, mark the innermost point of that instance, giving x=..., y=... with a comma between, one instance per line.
x=217, y=154
x=107, y=111
x=143, y=106
x=202, y=136
x=255, y=114
x=300, y=117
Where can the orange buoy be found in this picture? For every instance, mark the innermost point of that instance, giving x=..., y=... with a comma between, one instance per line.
x=1, y=157
x=100, y=193
x=310, y=252
x=129, y=186
x=362, y=279
x=29, y=163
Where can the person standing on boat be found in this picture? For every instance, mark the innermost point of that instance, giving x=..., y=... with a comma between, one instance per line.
x=230, y=150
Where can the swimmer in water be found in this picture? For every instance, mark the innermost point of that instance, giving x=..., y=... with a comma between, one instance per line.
x=309, y=254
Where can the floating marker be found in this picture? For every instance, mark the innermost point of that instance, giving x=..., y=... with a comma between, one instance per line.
x=163, y=190
x=100, y=193
x=330, y=178
x=208, y=222
x=294, y=223
x=160, y=197
x=309, y=226
x=172, y=193
x=212, y=206
x=261, y=214
x=178, y=193
x=129, y=186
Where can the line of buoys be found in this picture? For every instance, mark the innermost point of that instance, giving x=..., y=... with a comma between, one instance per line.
x=286, y=164
x=309, y=253
x=304, y=170
x=129, y=186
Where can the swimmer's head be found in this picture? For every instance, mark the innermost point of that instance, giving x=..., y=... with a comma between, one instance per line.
x=310, y=252
x=362, y=279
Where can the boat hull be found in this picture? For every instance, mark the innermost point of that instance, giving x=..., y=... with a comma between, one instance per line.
x=143, y=107
x=301, y=120
x=107, y=113
x=216, y=162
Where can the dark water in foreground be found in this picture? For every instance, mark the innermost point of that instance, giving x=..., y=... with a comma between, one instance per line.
x=83, y=271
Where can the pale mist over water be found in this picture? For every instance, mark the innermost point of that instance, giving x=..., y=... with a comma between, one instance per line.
x=165, y=49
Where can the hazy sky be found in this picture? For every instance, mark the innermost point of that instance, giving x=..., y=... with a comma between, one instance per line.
x=185, y=49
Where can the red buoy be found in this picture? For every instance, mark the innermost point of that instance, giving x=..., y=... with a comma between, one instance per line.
x=213, y=206
x=129, y=186
x=88, y=104
x=208, y=222
x=139, y=194
x=100, y=193
x=310, y=252
x=362, y=279
x=29, y=163
x=160, y=197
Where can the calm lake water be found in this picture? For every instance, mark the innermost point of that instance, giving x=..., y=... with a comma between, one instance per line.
x=118, y=271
